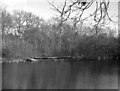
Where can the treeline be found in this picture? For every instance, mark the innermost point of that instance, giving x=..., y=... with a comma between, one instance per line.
x=27, y=35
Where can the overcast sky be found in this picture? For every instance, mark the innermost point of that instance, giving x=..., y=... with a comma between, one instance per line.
x=43, y=9
x=38, y=7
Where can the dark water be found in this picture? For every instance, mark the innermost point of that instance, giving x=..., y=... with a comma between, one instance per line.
x=0, y=76
x=60, y=75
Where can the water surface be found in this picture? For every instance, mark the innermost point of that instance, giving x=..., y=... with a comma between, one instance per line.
x=60, y=75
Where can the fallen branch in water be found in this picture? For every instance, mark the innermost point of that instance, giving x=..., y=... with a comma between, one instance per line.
x=54, y=58
x=61, y=57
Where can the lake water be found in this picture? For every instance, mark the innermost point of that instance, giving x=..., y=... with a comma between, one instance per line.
x=60, y=75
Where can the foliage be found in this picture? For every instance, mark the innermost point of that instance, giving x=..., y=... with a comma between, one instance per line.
x=26, y=35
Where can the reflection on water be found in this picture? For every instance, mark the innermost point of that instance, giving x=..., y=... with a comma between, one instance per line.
x=59, y=75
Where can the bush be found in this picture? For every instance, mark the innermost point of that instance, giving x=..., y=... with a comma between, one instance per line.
x=6, y=53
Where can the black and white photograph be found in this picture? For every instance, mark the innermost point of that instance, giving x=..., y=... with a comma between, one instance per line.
x=59, y=45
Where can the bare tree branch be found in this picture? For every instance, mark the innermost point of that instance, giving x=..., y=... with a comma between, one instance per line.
x=54, y=7
x=78, y=7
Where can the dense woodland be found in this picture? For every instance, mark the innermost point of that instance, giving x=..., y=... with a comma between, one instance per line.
x=27, y=35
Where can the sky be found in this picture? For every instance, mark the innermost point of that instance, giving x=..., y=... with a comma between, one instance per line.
x=43, y=9
x=38, y=7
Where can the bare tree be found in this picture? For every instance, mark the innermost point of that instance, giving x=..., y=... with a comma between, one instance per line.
x=74, y=9
x=6, y=21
